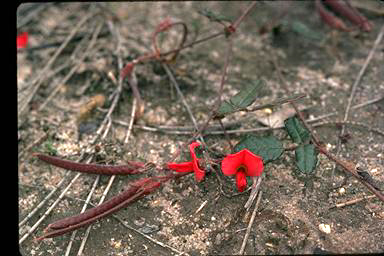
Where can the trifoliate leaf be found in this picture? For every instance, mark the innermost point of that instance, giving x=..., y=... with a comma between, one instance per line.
x=298, y=133
x=241, y=100
x=269, y=148
x=306, y=158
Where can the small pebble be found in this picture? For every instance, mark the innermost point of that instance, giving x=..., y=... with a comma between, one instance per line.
x=218, y=239
x=373, y=170
x=325, y=228
x=139, y=222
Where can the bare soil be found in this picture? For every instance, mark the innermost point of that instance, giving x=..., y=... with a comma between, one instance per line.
x=290, y=212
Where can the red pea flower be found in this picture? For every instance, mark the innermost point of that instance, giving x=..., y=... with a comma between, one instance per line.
x=191, y=166
x=22, y=40
x=127, y=70
x=243, y=163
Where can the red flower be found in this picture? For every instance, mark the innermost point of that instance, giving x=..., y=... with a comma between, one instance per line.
x=22, y=40
x=243, y=163
x=127, y=70
x=192, y=166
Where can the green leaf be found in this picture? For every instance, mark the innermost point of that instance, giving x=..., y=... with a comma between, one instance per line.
x=306, y=158
x=269, y=148
x=303, y=30
x=298, y=133
x=241, y=100
x=215, y=17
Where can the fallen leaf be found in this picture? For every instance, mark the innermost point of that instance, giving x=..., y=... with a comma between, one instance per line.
x=277, y=118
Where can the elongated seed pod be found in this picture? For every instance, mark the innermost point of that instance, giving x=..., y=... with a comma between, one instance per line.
x=329, y=18
x=350, y=13
x=87, y=221
x=135, y=192
x=131, y=168
x=116, y=200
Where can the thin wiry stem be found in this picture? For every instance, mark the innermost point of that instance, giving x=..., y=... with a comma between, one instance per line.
x=181, y=95
x=222, y=82
x=354, y=86
x=244, y=14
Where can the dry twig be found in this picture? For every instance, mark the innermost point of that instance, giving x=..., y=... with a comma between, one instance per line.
x=353, y=201
x=241, y=252
x=39, y=78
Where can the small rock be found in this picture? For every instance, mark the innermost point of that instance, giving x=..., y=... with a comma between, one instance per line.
x=218, y=239
x=148, y=229
x=139, y=222
x=325, y=228
x=341, y=191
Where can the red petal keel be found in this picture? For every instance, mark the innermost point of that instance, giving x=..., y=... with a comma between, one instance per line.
x=241, y=181
x=180, y=167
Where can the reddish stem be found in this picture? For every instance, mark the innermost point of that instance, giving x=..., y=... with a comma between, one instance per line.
x=350, y=13
x=329, y=18
x=131, y=168
x=165, y=25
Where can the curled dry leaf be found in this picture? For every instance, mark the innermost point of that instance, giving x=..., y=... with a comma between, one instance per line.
x=277, y=118
x=85, y=110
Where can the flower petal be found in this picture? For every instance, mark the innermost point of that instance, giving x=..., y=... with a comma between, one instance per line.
x=241, y=181
x=199, y=173
x=180, y=167
x=254, y=163
x=22, y=40
x=192, y=147
x=231, y=162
